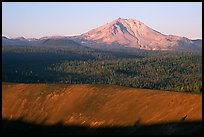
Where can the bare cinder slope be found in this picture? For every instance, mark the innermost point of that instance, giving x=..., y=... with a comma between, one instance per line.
x=96, y=105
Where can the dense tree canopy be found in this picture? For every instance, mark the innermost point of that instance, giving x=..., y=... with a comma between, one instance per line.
x=166, y=70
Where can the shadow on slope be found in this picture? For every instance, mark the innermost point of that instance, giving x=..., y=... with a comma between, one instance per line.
x=18, y=127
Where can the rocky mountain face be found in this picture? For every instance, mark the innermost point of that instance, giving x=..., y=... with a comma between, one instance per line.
x=119, y=33
x=135, y=34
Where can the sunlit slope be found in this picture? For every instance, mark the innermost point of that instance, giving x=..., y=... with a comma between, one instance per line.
x=95, y=105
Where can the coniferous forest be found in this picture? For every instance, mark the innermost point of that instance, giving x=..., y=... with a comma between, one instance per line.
x=165, y=70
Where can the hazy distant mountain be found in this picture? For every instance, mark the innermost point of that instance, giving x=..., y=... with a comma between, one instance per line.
x=135, y=34
x=117, y=33
x=53, y=37
x=197, y=42
x=42, y=41
x=60, y=41
x=20, y=41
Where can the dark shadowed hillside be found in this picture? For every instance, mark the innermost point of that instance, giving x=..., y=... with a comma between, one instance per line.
x=18, y=127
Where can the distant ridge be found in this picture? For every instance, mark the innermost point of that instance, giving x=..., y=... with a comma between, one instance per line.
x=130, y=33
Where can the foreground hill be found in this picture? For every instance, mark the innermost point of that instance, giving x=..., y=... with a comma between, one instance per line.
x=97, y=105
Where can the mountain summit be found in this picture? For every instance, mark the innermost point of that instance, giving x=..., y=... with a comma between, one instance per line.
x=119, y=33
x=133, y=33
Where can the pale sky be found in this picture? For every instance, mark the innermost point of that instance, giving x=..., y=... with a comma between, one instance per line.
x=39, y=19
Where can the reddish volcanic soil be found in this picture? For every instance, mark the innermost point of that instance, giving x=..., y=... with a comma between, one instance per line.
x=96, y=105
